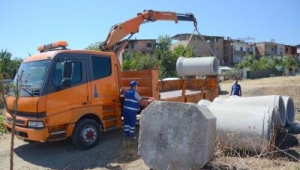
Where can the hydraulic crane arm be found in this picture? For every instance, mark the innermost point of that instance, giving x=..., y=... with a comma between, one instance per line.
x=119, y=31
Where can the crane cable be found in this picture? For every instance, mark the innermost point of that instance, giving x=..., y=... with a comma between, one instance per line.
x=188, y=41
x=202, y=38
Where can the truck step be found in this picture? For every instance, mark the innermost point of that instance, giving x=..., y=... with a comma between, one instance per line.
x=109, y=119
x=112, y=128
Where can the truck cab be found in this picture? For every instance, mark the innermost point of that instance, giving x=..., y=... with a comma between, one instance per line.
x=66, y=93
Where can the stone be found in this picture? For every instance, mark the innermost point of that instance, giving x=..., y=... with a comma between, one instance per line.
x=177, y=136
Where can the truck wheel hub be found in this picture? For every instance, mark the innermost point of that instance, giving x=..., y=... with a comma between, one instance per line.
x=89, y=135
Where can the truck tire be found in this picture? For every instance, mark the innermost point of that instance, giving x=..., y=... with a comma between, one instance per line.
x=86, y=134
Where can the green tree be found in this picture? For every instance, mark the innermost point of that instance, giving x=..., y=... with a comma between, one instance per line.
x=126, y=62
x=7, y=65
x=94, y=46
x=166, y=58
x=248, y=61
x=163, y=59
x=5, y=62
x=167, y=64
x=290, y=62
x=139, y=61
x=187, y=52
x=265, y=63
x=163, y=43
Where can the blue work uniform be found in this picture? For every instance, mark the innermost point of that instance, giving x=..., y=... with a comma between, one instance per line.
x=236, y=89
x=130, y=108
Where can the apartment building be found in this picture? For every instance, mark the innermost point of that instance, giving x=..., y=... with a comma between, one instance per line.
x=270, y=49
x=290, y=50
x=202, y=48
x=228, y=51
x=235, y=50
x=141, y=45
x=298, y=52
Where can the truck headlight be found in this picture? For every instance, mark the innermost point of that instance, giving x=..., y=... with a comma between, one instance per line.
x=35, y=124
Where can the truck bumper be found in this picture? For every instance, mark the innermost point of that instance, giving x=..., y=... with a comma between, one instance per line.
x=40, y=135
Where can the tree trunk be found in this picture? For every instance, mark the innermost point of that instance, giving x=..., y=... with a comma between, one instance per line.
x=12, y=141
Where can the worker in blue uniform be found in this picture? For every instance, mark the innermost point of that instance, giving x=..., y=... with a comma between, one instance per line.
x=236, y=89
x=131, y=106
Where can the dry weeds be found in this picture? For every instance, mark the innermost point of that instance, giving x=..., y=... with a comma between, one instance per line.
x=284, y=153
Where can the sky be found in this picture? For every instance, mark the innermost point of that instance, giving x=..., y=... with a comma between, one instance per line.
x=27, y=24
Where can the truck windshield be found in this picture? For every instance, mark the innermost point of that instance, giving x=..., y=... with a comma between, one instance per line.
x=31, y=77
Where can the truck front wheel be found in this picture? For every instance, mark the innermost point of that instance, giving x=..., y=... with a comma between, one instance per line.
x=86, y=134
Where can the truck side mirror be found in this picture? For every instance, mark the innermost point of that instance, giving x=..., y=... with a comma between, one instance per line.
x=66, y=83
x=67, y=69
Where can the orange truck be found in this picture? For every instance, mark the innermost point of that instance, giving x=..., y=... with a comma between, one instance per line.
x=76, y=93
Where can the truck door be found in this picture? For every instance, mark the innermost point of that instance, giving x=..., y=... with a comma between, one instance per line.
x=64, y=103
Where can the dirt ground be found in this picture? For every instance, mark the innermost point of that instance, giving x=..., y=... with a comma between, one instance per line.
x=113, y=153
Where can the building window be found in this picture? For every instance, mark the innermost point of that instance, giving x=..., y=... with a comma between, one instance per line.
x=149, y=45
x=132, y=45
x=241, y=48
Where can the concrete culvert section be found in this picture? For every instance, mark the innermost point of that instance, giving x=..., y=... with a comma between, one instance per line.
x=218, y=100
x=289, y=110
x=248, y=128
x=272, y=100
x=177, y=136
x=205, y=103
x=197, y=66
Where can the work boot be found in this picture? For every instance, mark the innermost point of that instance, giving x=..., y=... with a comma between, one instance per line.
x=134, y=138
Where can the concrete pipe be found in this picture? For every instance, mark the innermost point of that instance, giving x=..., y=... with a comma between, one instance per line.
x=205, y=103
x=219, y=100
x=289, y=110
x=247, y=128
x=197, y=66
x=273, y=100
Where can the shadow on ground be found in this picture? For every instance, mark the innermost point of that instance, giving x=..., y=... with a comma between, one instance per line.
x=63, y=155
x=288, y=145
x=222, y=92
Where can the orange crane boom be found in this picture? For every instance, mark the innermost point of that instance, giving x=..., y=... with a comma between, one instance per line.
x=131, y=26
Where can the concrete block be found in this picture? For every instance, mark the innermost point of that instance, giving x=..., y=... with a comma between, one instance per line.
x=176, y=136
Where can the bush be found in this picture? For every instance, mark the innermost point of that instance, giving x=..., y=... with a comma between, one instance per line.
x=270, y=62
x=2, y=126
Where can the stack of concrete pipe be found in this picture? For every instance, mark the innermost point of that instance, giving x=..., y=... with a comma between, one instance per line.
x=275, y=101
x=284, y=106
x=293, y=127
x=250, y=123
x=289, y=110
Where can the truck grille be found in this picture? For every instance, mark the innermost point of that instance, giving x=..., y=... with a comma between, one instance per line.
x=19, y=133
x=29, y=114
x=20, y=122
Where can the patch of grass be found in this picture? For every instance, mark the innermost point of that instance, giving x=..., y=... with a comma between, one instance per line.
x=2, y=126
